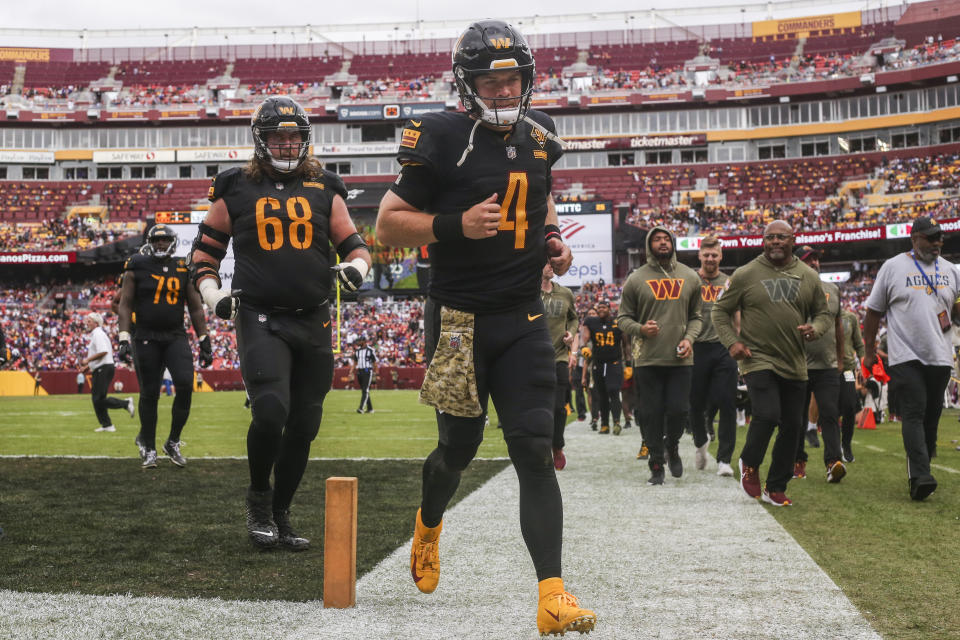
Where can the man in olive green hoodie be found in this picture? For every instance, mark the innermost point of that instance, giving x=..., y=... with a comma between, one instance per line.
x=660, y=306
x=775, y=294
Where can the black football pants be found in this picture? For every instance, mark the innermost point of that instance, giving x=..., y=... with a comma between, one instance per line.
x=151, y=358
x=287, y=366
x=514, y=366
x=776, y=402
x=919, y=388
x=580, y=401
x=607, y=380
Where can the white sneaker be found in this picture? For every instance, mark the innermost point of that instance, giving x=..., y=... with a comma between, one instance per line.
x=109, y=428
x=724, y=469
x=131, y=408
x=741, y=418
x=700, y=460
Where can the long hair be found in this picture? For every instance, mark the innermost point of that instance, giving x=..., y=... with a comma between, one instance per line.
x=257, y=169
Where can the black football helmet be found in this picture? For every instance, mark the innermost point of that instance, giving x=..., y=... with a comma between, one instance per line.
x=280, y=113
x=492, y=45
x=161, y=242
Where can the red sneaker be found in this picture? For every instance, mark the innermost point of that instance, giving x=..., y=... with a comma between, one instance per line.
x=800, y=469
x=559, y=460
x=776, y=498
x=749, y=480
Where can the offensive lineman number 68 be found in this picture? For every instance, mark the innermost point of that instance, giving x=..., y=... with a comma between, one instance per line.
x=299, y=212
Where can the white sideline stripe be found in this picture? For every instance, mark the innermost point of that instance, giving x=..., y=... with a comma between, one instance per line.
x=694, y=558
x=943, y=468
x=874, y=448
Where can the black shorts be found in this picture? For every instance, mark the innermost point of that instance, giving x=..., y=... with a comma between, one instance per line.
x=514, y=365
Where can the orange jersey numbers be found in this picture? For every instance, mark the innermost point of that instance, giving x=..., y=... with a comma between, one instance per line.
x=604, y=338
x=270, y=228
x=172, y=287
x=516, y=195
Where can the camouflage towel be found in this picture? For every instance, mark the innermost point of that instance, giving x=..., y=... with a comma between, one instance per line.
x=450, y=385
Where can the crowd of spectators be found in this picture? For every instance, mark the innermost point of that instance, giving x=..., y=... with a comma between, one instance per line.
x=44, y=325
x=649, y=76
x=59, y=234
x=904, y=175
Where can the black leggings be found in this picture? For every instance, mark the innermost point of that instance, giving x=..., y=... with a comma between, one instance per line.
x=152, y=357
x=663, y=398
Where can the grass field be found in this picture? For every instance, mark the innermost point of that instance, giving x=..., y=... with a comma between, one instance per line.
x=105, y=526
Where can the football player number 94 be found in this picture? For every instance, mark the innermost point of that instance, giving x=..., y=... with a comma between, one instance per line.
x=301, y=229
x=516, y=195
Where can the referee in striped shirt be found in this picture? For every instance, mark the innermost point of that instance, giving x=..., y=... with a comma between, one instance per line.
x=364, y=361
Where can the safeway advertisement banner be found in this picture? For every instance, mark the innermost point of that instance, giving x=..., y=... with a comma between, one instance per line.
x=590, y=238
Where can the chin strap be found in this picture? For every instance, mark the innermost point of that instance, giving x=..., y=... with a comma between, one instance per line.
x=550, y=136
x=469, y=148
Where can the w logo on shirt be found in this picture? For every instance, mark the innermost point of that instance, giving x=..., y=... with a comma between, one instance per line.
x=710, y=293
x=666, y=288
x=782, y=289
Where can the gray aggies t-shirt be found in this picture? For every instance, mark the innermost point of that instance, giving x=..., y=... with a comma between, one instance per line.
x=913, y=331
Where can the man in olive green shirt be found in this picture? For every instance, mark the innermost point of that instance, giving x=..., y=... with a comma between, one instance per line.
x=825, y=374
x=853, y=350
x=660, y=305
x=559, y=306
x=775, y=294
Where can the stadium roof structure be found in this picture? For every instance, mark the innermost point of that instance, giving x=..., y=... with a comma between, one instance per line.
x=681, y=14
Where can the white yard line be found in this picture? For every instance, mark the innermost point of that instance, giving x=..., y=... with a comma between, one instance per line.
x=695, y=558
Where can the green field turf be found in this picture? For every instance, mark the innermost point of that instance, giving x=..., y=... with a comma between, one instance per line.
x=105, y=526
x=400, y=427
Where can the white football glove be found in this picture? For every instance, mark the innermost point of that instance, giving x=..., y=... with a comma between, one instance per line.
x=351, y=274
x=222, y=302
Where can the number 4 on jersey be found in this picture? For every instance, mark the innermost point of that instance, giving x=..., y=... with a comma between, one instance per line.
x=516, y=195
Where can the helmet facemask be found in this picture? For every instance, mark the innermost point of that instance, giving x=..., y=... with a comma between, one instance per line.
x=499, y=112
x=153, y=246
x=289, y=163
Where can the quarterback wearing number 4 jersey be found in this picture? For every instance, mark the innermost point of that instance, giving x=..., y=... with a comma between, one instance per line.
x=283, y=212
x=475, y=187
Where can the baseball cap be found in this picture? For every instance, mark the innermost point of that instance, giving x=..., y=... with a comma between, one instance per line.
x=926, y=226
x=806, y=251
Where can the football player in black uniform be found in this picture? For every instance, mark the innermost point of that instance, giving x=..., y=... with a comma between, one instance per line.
x=283, y=211
x=475, y=186
x=155, y=287
x=606, y=356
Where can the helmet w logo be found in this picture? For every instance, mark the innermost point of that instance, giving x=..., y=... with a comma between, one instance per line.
x=666, y=288
x=501, y=43
x=286, y=111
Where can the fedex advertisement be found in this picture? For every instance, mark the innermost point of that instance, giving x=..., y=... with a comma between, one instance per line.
x=590, y=238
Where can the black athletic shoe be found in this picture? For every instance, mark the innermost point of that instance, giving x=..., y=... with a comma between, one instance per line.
x=656, y=475
x=593, y=425
x=172, y=449
x=812, y=439
x=260, y=525
x=922, y=487
x=848, y=453
x=288, y=538
x=674, y=462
